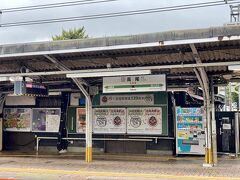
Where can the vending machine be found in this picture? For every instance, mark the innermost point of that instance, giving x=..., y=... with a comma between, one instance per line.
x=190, y=131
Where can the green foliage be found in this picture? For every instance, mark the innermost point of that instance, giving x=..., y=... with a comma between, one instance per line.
x=76, y=33
x=234, y=97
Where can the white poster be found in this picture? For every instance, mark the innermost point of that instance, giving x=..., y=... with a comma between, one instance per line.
x=141, y=83
x=52, y=123
x=144, y=120
x=127, y=99
x=109, y=120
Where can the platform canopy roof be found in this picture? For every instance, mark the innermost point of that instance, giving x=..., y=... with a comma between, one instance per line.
x=161, y=49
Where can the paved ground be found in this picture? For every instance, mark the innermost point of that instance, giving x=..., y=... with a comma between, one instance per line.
x=113, y=167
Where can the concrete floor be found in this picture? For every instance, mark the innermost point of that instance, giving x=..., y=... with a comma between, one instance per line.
x=116, y=167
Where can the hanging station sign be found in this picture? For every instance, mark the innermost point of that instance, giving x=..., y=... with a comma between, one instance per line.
x=109, y=120
x=127, y=99
x=23, y=88
x=144, y=120
x=143, y=83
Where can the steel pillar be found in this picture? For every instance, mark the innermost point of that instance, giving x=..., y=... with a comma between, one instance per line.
x=79, y=82
x=214, y=126
x=204, y=83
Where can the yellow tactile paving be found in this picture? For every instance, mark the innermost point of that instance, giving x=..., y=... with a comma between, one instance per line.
x=111, y=174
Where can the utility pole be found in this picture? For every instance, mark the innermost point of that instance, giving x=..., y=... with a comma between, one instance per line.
x=0, y=18
x=235, y=13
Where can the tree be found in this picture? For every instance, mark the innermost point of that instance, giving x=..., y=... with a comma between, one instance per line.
x=76, y=33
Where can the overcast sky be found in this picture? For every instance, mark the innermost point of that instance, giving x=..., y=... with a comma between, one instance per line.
x=163, y=21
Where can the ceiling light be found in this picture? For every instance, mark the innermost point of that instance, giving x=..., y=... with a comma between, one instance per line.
x=108, y=74
x=234, y=68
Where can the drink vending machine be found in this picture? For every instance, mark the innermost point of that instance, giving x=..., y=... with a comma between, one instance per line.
x=190, y=131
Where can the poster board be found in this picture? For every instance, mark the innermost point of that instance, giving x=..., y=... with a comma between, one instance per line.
x=190, y=134
x=109, y=120
x=17, y=119
x=80, y=120
x=144, y=120
x=46, y=119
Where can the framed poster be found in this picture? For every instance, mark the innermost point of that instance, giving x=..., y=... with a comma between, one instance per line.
x=109, y=120
x=144, y=120
x=81, y=120
x=46, y=119
x=17, y=119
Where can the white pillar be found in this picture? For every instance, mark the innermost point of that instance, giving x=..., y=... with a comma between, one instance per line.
x=88, y=133
x=214, y=128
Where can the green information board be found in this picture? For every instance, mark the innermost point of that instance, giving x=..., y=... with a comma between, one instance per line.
x=126, y=100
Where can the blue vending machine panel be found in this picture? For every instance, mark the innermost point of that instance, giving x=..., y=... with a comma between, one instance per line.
x=190, y=134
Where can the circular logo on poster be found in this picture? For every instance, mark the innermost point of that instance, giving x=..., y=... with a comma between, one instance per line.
x=152, y=121
x=117, y=121
x=135, y=122
x=148, y=99
x=104, y=99
x=101, y=121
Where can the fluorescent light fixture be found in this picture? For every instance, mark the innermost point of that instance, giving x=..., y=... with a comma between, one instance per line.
x=4, y=78
x=234, y=68
x=108, y=73
x=13, y=79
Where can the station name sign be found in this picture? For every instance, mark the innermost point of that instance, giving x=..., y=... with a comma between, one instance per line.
x=142, y=83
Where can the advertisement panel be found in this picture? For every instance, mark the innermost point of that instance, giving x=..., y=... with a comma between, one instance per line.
x=190, y=135
x=141, y=83
x=17, y=119
x=144, y=120
x=109, y=120
x=81, y=120
x=46, y=119
x=127, y=99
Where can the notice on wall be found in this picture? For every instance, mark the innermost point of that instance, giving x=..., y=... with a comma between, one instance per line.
x=52, y=123
x=17, y=119
x=127, y=99
x=81, y=120
x=46, y=119
x=109, y=120
x=144, y=120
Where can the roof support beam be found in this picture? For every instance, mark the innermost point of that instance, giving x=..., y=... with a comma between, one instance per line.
x=176, y=66
x=79, y=82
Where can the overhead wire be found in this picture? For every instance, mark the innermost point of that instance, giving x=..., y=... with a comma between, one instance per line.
x=54, y=5
x=121, y=13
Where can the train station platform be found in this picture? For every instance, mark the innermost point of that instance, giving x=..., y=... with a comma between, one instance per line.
x=32, y=166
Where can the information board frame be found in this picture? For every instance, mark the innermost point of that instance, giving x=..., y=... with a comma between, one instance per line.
x=45, y=109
